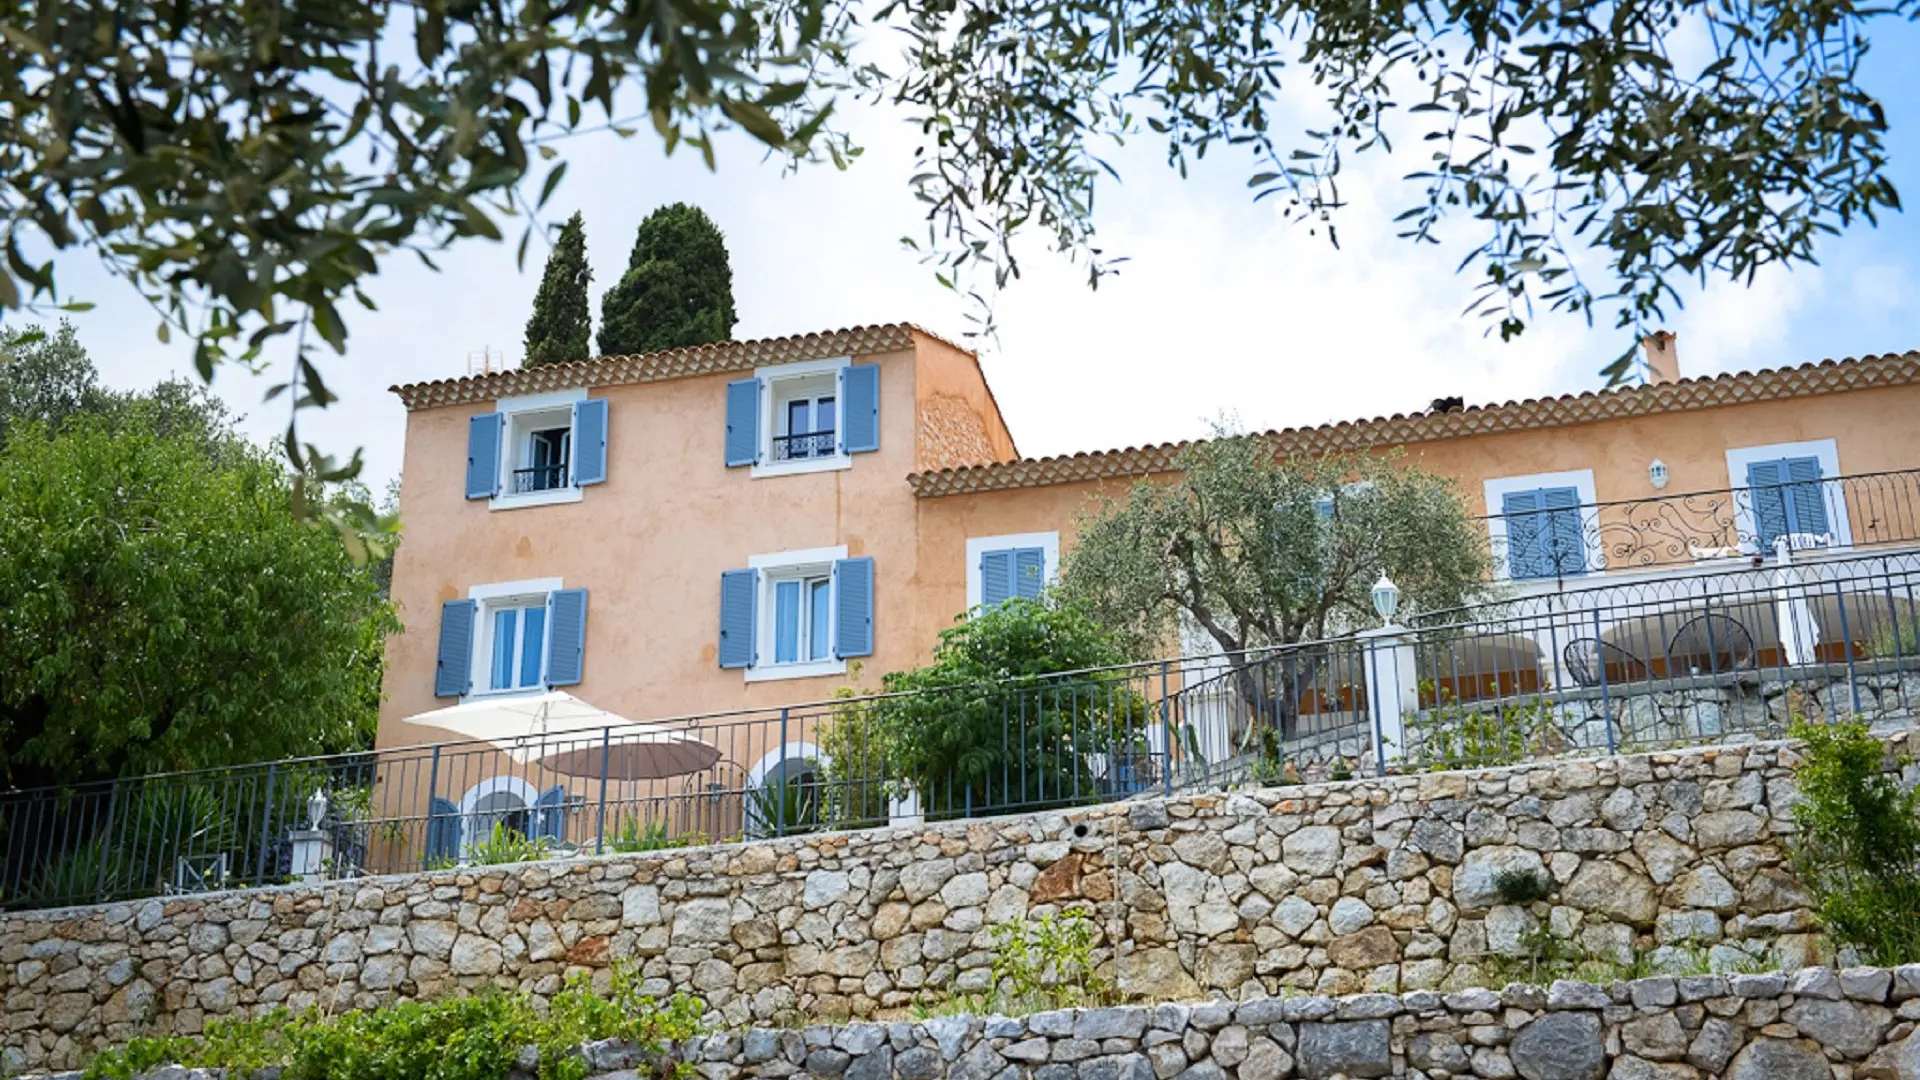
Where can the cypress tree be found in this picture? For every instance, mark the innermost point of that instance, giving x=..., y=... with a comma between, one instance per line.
x=678, y=288
x=562, y=319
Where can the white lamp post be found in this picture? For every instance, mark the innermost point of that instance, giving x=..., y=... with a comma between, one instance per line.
x=1386, y=599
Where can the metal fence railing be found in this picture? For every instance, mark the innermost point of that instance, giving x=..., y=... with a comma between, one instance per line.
x=1569, y=540
x=1608, y=669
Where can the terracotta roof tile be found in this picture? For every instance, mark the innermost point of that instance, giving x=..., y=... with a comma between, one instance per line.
x=721, y=356
x=1825, y=377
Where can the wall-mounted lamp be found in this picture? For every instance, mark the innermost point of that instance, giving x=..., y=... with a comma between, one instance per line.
x=1657, y=474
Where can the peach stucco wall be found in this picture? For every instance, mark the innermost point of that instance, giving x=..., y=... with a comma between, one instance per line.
x=650, y=544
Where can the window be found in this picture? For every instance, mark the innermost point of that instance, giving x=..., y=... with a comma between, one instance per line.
x=1544, y=526
x=1002, y=567
x=1791, y=492
x=802, y=616
x=796, y=614
x=537, y=450
x=804, y=417
x=548, y=450
x=519, y=648
x=807, y=421
x=512, y=637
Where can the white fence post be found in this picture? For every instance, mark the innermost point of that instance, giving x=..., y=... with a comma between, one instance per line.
x=1393, y=688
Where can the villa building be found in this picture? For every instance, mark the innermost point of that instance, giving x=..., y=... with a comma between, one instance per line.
x=745, y=527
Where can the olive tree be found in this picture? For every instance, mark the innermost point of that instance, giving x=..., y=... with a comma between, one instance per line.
x=1251, y=550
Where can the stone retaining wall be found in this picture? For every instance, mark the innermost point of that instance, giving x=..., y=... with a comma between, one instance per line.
x=1815, y=1024
x=1383, y=885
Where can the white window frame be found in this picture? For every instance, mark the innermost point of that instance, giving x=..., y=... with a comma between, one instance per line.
x=1496, y=490
x=488, y=599
x=1047, y=542
x=772, y=412
x=492, y=785
x=1827, y=451
x=786, y=566
x=515, y=412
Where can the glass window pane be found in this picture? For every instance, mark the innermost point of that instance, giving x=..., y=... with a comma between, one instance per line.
x=786, y=622
x=533, y=647
x=823, y=414
x=797, y=417
x=504, y=622
x=820, y=610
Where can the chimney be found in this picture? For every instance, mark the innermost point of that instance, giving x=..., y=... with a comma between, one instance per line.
x=1663, y=357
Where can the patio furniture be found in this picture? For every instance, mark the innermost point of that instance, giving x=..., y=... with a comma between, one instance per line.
x=1589, y=659
x=1711, y=644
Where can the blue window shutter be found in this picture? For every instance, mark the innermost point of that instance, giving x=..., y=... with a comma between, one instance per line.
x=996, y=577
x=590, y=442
x=1526, y=531
x=1565, y=540
x=483, y=455
x=1766, y=486
x=853, y=607
x=860, y=408
x=736, y=618
x=443, y=831
x=566, y=636
x=549, y=817
x=743, y=422
x=453, y=666
x=1806, y=495
x=1029, y=572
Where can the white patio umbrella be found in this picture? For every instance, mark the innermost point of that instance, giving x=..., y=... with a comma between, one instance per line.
x=1799, y=634
x=561, y=733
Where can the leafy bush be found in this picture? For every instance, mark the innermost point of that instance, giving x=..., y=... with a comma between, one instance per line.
x=1895, y=640
x=637, y=834
x=476, y=1038
x=858, y=784
x=503, y=845
x=1858, y=847
x=1451, y=735
x=992, y=724
x=1516, y=886
x=1047, y=963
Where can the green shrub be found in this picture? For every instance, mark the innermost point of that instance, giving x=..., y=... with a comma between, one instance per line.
x=991, y=723
x=1038, y=965
x=1521, y=886
x=1858, y=843
x=1897, y=640
x=637, y=834
x=474, y=1038
x=1451, y=735
x=503, y=845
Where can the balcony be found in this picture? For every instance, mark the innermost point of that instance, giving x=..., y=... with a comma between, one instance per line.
x=540, y=478
x=1721, y=529
x=805, y=446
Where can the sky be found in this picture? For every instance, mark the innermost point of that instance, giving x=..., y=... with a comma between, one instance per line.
x=1223, y=311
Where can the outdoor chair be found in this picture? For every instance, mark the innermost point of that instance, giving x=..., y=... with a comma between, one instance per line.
x=1710, y=643
x=1590, y=660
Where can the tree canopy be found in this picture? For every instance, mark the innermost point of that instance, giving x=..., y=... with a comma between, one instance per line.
x=678, y=288
x=1253, y=550
x=163, y=613
x=249, y=167
x=561, y=326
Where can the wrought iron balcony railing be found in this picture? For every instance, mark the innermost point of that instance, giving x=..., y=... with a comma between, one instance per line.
x=812, y=444
x=1864, y=510
x=540, y=478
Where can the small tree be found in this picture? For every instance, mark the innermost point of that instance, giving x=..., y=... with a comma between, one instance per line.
x=1252, y=551
x=167, y=612
x=562, y=322
x=1013, y=712
x=1858, y=842
x=678, y=288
